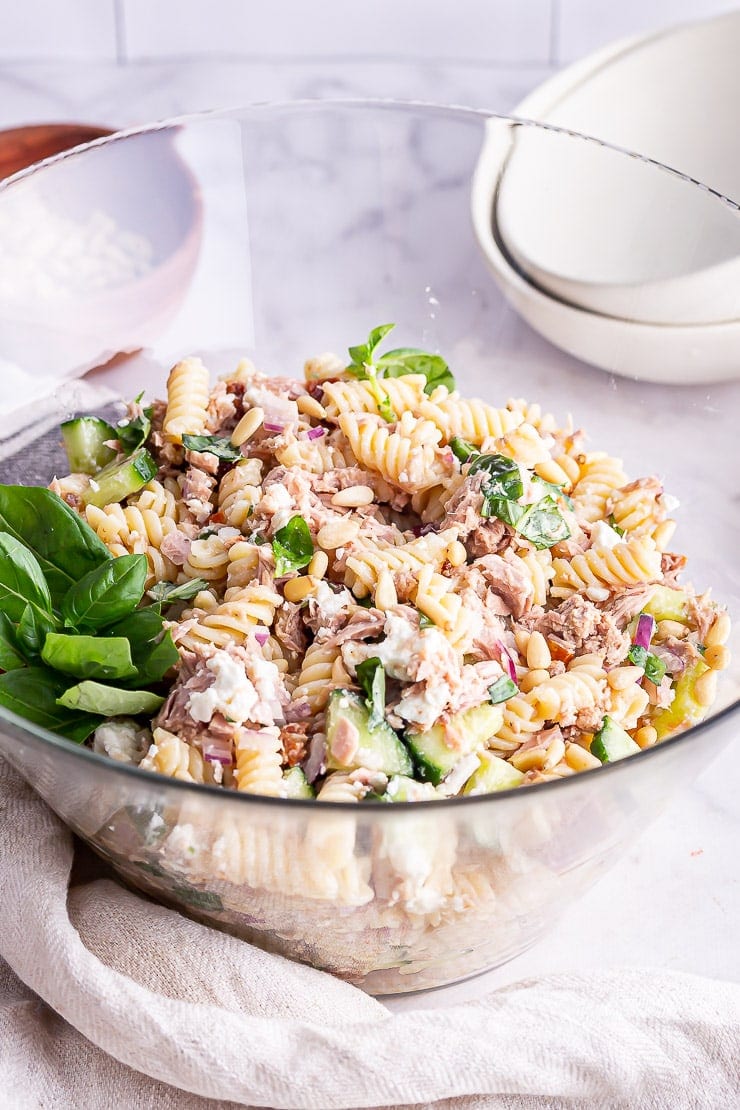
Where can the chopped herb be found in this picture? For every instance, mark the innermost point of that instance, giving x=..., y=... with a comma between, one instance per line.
x=168, y=592
x=382, y=400
x=292, y=547
x=220, y=446
x=425, y=621
x=613, y=524
x=543, y=524
x=554, y=490
x=653, y=667
x=371, y=677
x=461, y=449
x=135, y=432
x=502, y=476
x=258, y=539
x=365, y=602
x=501, y=690
x=394, y=364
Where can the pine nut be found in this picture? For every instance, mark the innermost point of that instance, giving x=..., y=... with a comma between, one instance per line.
x=646, y=736
x=538, y=653
x=309, y=406
x=719, y=632
x=319, y=564
x=622, y=677
x=296, y=589
x=579, y=759
x=717, y=657
x=705, y=688
x=456, y=554
x=337, y=533
x=353, y=497
x=529, y=759
x=668, y=628
x=385, y=591
x=521, y=638
x=247, y=426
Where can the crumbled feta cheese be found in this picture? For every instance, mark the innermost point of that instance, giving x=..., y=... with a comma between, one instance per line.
x=400, y=647
x=231, y=694
x=669, y=502
x=279, y=504
x=602, y=535
x=122, y=739
x=228, y=533
x=424, y=708
x=329, y=603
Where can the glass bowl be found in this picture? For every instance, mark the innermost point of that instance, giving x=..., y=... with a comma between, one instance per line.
x=278, y=232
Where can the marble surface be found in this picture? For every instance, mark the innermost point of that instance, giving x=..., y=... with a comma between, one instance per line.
x=673, y=901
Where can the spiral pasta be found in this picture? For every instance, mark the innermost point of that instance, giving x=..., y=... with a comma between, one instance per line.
x=187, y=400
x=259, y=764
x=625, y=564
x=600, y=475
x=233, y=619
x=474, y=421
x=239, y=491
x=171, y=756
x=407, y=457
x=137, y=530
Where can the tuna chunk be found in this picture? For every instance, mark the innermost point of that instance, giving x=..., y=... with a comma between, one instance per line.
x=626, y=604
x=510, y=581
x=579, y=627
x=671, y=565
x=288, y=628
x=463, y=508
x=176, y=547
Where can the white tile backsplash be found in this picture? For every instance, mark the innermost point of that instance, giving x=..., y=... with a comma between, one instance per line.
x=33, y=29
x=475, y=30
x=581, y=26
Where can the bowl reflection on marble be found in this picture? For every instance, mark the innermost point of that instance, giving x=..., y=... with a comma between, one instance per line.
x=319, y=221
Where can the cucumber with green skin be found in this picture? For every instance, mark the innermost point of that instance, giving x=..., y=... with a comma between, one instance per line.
x=378, y=749
x=684, y=710
x=85, y=443
x=433, y=755
x=492, y=775
x=296, y=785
x=120, y=479
x=667, y=604
x=611, y=742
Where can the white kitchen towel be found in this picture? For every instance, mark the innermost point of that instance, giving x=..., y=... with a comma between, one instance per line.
x=153, y=1005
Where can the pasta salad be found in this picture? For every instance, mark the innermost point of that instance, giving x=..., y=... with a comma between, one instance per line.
x=356, y=587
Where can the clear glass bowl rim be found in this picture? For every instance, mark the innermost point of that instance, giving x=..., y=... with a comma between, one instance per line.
x=25, y=730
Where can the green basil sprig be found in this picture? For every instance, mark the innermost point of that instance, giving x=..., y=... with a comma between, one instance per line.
x=292, y=547
x=220, y=446
x=394, y=364
x=135, y=432
x=501, y=690
x=106, y=594
x=653, y=667
x=371, y=677
x=167, y=593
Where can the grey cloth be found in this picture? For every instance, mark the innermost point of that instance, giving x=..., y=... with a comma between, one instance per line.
x=108, y=1000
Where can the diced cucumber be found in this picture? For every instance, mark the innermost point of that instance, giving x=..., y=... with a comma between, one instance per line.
x=351, y=743
x=121, y=479
x=611, y=742
x=401, y=788
x=493, y=774
x=684, y=710
x=84, y=441
x=433, y=755
x=668, y=604
x=296, y=785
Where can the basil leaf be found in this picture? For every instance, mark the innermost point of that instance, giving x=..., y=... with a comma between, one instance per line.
x=109, y=701
x=167, y=592
x=134, y=435
x=554, y=490
x=220, y=446
x=364, y=602
x=511, y=512
x=65, y=546
x=425, y=621
x=364, y=353
x=461, y=449
x=612, y=524
x=32, y=693
x=502, y=476
x=501, y=690
x=140, y=627
x=106, y=594
x=10, y=654
x=637, y=655
x=153, y=660
x=292, y=547
x=371, y=677
x=653, y=667
x=89, y=656
x=32, y=629
x=411, y=360
x=22, y=582
x=543, y=524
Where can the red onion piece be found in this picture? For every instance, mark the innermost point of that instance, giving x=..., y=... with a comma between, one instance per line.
x=217, y=751
x=644, y=631
x=315, y=433
x=315, y=765
x=261, y=635
x=273, y=427
x=506, y=661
